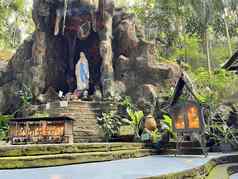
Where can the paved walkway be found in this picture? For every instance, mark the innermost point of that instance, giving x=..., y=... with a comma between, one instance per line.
x=121, y=169
x=235, y=176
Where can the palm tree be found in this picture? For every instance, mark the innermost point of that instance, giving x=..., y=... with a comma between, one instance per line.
x=203, y=11
x=224, y=8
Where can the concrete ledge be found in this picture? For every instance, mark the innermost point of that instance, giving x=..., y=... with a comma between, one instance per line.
x=53, y=149
x=73, y=158
x=200, y=172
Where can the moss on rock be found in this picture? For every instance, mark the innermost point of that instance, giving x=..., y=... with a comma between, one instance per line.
x=73, y=158
x=51, y=149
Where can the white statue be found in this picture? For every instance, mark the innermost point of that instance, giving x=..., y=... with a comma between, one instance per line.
x=82, y=73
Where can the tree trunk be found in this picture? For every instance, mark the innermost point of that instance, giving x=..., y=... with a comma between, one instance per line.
x=228, y=34
x=208, y=53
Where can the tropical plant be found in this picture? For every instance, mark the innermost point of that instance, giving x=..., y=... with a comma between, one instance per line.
x=222, y=134
x=4, y=126
x=155, y=136
x=110, y=123
x=167, y=125
x=135, y=117
x=127, y=102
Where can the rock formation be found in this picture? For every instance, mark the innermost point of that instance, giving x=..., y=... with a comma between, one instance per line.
x=42, y=62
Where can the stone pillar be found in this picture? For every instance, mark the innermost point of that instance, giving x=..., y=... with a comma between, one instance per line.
x=69, y=131
x=41, y=13
x=38, y=69
x=105, y=36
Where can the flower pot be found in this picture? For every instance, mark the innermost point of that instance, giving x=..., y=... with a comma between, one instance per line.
x=226, y=147
x=150, y=123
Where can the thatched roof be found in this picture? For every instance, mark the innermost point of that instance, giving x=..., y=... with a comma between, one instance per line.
x=232, y=63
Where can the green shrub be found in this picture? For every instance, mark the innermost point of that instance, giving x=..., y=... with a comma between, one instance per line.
x=135, y=117
x=168, y=125
x=213, y=88
x=110, y=123
x=4, y=126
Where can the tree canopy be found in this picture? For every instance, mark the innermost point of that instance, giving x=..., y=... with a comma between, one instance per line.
x=15, y=22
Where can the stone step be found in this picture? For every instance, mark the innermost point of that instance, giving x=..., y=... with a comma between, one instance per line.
x=51, y=149
x=186, y=147
x=83, y=113
x=83, y=128
x=85, y=139
x=81, y=121
x=70, y=113
x=78, y=109
x=70, y=158
x=183, y=151
x=172, y=144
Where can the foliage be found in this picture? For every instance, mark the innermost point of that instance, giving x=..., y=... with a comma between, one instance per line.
x=112, y=121
x=110, y=124
x=190, y=51
x=167, y=120
x=4, y=126
x=26, y=99
x=15, y=22
x=25, y=95
x=155, y=136
x=167, y=125
x=136, y=117
x=211, y=87
x=166, y=128
x=143, y=9
x=222, y=134
x=194, y=31
x=127, y=103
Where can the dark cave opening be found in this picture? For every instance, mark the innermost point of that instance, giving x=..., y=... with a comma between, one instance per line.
x=66, y=77
x=90, y=47
x=63, y=77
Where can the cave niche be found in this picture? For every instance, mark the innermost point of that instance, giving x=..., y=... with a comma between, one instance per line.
x=90, y=47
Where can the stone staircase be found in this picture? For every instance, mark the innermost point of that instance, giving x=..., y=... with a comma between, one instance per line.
x=84, y=114
x=187, y=148
x=30, y=156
